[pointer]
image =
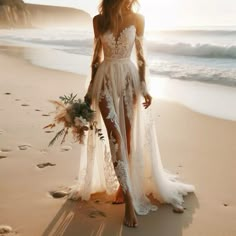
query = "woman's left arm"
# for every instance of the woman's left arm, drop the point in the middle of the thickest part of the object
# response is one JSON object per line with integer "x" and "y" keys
{"x": 141, "y": 62}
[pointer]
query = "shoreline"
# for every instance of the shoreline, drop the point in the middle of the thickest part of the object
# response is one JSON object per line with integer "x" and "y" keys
{"x": 32, "y": 48}
{"x": 200, "y": 148}
{"x": 212, "y": 99}
{"x": 48, "y": 58}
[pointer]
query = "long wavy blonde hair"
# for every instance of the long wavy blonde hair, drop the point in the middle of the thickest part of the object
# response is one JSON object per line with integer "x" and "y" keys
{"x": 110, "y": 10}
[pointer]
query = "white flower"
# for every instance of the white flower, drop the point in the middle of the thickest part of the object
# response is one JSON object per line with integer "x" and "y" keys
{"x": 79, "y": 121}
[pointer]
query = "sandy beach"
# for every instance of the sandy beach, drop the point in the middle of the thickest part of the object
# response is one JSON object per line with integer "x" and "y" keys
{"x": 200, "y": 148}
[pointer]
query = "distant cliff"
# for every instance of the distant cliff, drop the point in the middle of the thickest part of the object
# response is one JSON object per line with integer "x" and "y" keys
{"x": 52, "y": 16}
{"x": 15, "y": 13}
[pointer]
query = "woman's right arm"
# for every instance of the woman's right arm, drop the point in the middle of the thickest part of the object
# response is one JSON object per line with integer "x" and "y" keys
{"x": 97, "y": 49}
{"x": 96, "y": 59}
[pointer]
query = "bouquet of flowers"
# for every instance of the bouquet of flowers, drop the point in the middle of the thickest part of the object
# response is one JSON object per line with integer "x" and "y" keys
{"x": 75, "y": 115}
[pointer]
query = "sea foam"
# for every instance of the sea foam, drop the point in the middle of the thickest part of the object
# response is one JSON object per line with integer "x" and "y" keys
{"x": 194, "y": 50}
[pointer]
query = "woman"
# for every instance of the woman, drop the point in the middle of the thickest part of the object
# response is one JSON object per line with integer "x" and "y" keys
{"x": 115, "y": 92}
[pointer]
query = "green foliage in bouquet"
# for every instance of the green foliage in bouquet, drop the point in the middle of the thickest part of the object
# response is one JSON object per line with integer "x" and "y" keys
{"x": 76, "y": 115}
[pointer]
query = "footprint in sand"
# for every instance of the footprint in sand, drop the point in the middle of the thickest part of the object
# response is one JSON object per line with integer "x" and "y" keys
{"x": 37, "y": 110}
{"x": 49, "y": 131}
{"x": 58, "y": 194}
{"x": 7, "y": 93}
{"x": 6, "y": 150}
{"x": 44, "y": 151}
{"x": 45, "y": 114}
{"x": 43, "y": 165}
{"x": 24, "y": 105}
{"x": 66, "y": 148}
{"x": 24, "y": 147}
{"x": 5, "y": 229}
{"x": 3, "y": 156}
{"x": 97, "y": 213}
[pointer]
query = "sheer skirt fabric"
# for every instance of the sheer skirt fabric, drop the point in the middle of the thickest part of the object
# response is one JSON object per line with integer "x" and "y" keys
{"x": 117, "y": 80}
{"x": 119, "y": 85}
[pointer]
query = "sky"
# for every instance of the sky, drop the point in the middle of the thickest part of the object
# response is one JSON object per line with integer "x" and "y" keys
{"x": 164, "y": 14}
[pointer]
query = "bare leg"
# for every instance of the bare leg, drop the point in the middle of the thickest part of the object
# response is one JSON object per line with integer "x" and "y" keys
{"x": 130, "y": 219}
{"x": 119, "y": 198}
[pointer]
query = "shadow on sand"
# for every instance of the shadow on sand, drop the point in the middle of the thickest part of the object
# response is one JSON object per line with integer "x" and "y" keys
{"x": 98, "y": 217}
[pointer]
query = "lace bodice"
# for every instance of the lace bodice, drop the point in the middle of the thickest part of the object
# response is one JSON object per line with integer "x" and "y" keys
{"x": 119, "y": 48}
{"x": 122, "y": 46}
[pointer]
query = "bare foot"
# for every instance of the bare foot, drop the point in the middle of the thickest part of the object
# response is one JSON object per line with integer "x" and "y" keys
{"x": 130, "y": 219}
{"x": 119, "y": 197}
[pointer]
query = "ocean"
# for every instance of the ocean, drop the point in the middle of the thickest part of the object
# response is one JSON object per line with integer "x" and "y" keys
{"x": 204, "y": 56}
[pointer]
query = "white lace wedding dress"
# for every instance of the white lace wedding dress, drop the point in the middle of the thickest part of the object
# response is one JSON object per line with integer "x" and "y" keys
{"x": 140, "y": 171}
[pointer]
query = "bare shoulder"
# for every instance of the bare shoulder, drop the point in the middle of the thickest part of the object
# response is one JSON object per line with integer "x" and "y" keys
{"x": 139, "y": 18}
{"x": 96, "y": 20}
{"x": 140, "y": 23}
